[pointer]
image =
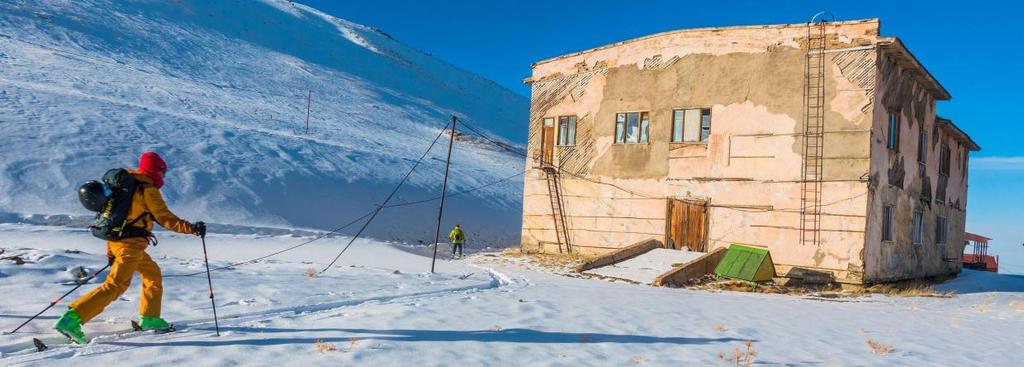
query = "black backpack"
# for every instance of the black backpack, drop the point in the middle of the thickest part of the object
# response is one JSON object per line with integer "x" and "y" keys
{"x": 112, "y": 223}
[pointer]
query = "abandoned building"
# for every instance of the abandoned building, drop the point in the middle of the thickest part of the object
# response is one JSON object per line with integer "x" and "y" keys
{"x": 817, "y": 141}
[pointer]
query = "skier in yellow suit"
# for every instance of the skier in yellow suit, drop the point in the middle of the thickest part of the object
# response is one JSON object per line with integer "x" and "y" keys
{"x": 128, "y": 256}
{"x": 457, "y": 238}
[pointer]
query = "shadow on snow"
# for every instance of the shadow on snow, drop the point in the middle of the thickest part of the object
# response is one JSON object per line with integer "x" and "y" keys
{"x": 409, "y": 335}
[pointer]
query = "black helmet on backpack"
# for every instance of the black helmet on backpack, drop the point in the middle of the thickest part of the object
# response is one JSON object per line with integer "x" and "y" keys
{"x": 92, "y": 195}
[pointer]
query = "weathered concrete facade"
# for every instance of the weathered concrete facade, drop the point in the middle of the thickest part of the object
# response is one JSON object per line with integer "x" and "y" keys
{"x": 748, "y": 171}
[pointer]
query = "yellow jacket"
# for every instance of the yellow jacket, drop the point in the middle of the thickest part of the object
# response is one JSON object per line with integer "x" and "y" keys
{"x": 456, "y": 235}
{"x": 148, "y": 203}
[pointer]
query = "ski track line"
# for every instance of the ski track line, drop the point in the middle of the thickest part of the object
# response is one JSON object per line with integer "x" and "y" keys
{"x": 68, "y": 92}
{"x": 231, "y": 125}
{"x": 199, "y": 119}
{"x": 105, "y": 342}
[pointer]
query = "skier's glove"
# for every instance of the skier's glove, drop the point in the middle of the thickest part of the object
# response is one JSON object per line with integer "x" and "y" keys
{"x": 110, "y": 258}
{"x": 199, "y": 229}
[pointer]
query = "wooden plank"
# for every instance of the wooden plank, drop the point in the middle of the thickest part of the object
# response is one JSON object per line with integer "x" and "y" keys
{"x": 691, "y": 227}
{"x": 688, "y": 227}
{"x": 622, "y": 254}
{"x": 549, "y": 145}
{"x": 680, "y": 274}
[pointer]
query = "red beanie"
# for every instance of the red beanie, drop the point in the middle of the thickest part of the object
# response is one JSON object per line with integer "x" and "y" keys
{"x": 153, "y": 167}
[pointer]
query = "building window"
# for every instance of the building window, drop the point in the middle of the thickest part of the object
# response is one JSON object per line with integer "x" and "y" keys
{"x": 887, "y": 212}
{"x": 894, "y": 131}
{"x": 566, "y": 130}
{"x": 691, "y": 125}
{"x": 922, "y": 149}
{"x": 941, "y": 230}
{"x": 944, "y": 159}
{"x": 917, "y": 233}
{"x": 631, "y": 127}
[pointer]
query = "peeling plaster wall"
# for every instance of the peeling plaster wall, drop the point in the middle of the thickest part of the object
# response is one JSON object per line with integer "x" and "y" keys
{"x": 899, "y": 180}
{"x": 752, "y": 79}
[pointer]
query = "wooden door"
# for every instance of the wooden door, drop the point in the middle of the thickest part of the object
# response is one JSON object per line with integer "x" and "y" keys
{"x": 547, "y": 142}
{"x": 688, "y": 225}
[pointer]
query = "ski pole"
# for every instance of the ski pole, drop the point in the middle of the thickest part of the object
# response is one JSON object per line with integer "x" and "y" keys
{"x": 56, "y": 301}
{"x": 209, "y": 281}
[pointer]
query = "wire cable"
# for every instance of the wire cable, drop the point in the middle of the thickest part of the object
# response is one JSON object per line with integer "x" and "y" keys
{"x": 367, "y": 214}
{"x": 370, "y": 214}
{"x": 317, "y": 238}
{"x": 638, "y": 194}
{"x": 573, "y": 174}
{"x": 386, "y": 200}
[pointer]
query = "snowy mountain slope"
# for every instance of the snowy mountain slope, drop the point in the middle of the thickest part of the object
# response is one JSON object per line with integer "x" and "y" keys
{"x": 220, "y": 89}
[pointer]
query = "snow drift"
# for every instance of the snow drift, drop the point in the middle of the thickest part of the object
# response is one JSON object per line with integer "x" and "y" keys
{"x": 220, "y": 89}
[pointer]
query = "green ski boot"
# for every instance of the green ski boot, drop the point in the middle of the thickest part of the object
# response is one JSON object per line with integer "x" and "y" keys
{"x": 70, "y": 324}
{"x": 157, "y": 324}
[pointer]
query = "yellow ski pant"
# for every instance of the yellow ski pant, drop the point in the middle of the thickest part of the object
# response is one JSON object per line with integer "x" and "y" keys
{"x": 129, "y": 258}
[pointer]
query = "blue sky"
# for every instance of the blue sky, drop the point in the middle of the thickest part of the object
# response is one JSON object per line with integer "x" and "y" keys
{"x": 973, "y": 49}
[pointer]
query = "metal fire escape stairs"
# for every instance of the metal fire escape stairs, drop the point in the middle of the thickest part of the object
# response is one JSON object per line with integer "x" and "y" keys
{"x": 814, "y": 134}
{"x": 557, "y": 205}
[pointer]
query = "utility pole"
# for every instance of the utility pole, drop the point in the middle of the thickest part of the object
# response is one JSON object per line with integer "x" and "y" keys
{"x": 444, "y": 189}
{"x": 309, "y": 103}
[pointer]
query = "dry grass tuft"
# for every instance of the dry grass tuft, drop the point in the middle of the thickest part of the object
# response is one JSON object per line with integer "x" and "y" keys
{"x": 637, "y": 360}
{"x": 324, "y": 347}
{"x": 352, "y": 342}
{"x": 916, "y": 288}
{"x": 546, "y": 259}
{"x": 720, "y": 327}
{"x": 740, "y": 357}
{"x": 311, "y": 272}
{"x": 825, "y": 291}
{"x": 496, "y": 327}
{"x": 710, "y": 283}
{"x": 878, "y": 347}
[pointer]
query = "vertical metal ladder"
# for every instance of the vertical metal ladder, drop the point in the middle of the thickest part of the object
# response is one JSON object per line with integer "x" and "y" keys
{"x": 557, "y": 203}
{"x": 814, "y": 134}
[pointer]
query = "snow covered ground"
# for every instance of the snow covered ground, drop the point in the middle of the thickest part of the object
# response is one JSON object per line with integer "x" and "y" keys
{"x": 379, "y": 306}
{"x": 220, "y": 89}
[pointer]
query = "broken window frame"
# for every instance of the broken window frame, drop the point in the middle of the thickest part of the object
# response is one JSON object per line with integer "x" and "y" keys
{"x": 941, "y": 230}
{"x": 893, "y": 139}
{"x": 888, "y": 211}
{"x": 679, "y": 122}
{"x": 917, "y": 228}
{"x": 642, "y": 124}
{"x": 922, "y": 150}
{"x": 566, "y": 131}
{"x": 944, "y": 160}
{"x": 944, "y": 166}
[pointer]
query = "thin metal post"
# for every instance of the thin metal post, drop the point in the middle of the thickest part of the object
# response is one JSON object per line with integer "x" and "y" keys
{"x": 309, "y": 103}
{"x": 444, "y": 189}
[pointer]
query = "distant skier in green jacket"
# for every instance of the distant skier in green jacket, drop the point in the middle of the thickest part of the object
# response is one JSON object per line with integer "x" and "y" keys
{"x": 457, "y": 238}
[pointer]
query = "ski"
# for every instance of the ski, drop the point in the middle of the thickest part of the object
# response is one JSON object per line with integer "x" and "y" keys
{"x": 137, "y": 327}
{"x": 44, "y": 344}
{"x": 40, "y": 346}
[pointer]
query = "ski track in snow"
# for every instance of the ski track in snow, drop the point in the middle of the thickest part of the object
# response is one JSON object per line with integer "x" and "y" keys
{"x": 24, "y": 352}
